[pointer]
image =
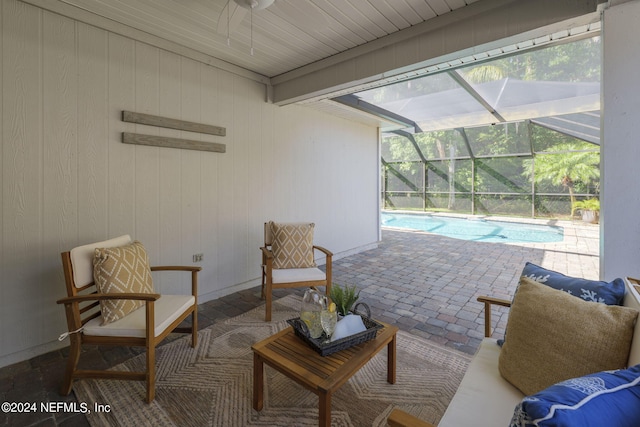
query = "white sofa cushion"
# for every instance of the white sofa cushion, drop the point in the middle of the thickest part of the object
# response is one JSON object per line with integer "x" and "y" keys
{"x": 632, "y": 299}
{"x": 292, "y": 275}
{"x": 166, "y": 310}
{"x": 484, "y": 398}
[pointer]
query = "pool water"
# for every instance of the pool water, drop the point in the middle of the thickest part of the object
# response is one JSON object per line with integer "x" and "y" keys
{"x": 480, "y": 230}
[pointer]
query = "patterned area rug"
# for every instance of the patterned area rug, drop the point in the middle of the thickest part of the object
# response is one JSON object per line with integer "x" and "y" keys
{"x": 211, "y": 385}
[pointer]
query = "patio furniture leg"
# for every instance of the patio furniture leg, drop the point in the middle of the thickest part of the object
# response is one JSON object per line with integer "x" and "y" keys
{"x": 258, "y": 383}
{"x": 269, "y": 290}
{"x": 324, "y": 409}
{"x": 72, "y": 365}
{"x": 391, "y": 361}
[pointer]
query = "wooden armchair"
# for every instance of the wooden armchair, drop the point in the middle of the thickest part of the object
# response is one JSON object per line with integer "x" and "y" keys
{"x": 399, "y": 418}
{"x": 145, "y": 326}
{"x": 291, "y": 277}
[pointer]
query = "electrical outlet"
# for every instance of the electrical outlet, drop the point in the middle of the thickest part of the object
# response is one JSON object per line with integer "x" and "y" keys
{"x": 198, "y": 257}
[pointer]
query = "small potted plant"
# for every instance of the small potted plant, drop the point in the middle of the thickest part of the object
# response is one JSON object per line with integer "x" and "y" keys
{"x": 344, "y": 297}
{"x": 589, "y": 209}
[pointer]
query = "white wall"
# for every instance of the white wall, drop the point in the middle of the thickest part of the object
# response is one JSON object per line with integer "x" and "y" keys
{"x": 620, "y": 212}
{"x": 68, "y": 180}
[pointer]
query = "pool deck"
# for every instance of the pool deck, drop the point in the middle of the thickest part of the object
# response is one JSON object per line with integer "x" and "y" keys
{"x": 579, "y": 239}
{"x": 428, "y": 284}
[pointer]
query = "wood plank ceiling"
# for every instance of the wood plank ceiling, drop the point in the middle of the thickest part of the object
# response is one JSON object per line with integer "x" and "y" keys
{"x": 287, "y": 35}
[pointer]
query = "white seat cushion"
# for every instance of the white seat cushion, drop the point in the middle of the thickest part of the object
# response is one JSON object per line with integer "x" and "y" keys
{"x": 484, "y": 398}
{"x": 167, "y": 309}
{"x": 292, "y": 275}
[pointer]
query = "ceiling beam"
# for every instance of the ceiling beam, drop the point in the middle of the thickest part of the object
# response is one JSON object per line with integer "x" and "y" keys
{"x": 357, "y": 103}
{"x": 413, "y": 141}
{"x": 479, "y": 27}
{"x": 455, "y": 75}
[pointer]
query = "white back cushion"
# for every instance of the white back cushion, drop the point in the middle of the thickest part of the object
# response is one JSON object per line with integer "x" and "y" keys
{"x": 82, "y": 258}
{"x": 632, "y": 299}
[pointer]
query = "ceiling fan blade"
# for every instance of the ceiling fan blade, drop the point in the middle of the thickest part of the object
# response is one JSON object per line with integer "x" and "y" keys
{"x": 231, "y": 14}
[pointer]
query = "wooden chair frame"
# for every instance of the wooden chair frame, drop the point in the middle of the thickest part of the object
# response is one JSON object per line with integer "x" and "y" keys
{"x": 267, "y": 278}
{"x": 82, "y": 305}
{"x": 488, "y": 302}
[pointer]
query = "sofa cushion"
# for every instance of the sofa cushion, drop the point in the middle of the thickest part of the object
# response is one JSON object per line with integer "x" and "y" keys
{"x": 122, "y": 269}
{"x": 632, "y": 300}
{"x": 611, "y": 293}
{"x": 483, "y": 398}
{"x": 602, "y": 399}
{"x": 292, "y": 245}
{"x": 553, "y": 336}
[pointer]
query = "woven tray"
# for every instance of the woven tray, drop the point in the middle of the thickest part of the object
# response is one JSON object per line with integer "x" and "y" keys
{"x": 325, "y": 348}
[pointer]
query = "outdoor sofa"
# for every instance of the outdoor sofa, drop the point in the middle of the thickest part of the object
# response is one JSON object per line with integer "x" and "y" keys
{"x": 486, "y": 398}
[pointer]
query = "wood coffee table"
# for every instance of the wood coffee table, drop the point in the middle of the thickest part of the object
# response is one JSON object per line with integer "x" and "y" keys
{"x": 323, "y": 375}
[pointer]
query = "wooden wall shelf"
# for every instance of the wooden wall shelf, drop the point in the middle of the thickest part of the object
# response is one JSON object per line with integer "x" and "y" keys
{"x": 163, "y": 141}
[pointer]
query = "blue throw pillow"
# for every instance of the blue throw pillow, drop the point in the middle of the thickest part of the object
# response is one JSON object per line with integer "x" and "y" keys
{"x": 609, "y": 398}
{"x": 610, "y": 293}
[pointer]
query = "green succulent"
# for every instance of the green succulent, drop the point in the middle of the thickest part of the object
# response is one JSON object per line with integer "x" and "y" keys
{"x": 344, "y": 297}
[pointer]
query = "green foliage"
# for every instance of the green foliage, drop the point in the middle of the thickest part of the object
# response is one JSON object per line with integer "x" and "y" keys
{"x": 577, "y": 61}
{"x": 588, "y": 205}
{"x": 344, "y": 297}
{"x": 566, "y": 168}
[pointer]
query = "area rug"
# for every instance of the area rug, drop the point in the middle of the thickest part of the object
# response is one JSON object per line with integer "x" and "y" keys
{"x": 211, "y": 385}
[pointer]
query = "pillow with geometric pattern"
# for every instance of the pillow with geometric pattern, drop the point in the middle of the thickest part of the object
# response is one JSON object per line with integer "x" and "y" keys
{"x": 292, "y": 245}
{"x": 123, "y": 269}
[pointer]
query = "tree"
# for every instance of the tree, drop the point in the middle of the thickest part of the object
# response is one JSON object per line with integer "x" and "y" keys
{"x": 566, "y": 168}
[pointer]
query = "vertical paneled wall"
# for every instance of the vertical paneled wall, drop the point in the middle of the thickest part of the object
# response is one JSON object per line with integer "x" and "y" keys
{"x": 620, "y": 152}
{"x": 68, "y": 180}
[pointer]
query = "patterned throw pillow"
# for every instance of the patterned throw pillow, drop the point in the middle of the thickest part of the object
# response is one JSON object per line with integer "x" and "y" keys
{"x": 610, "y": 293}
{"x": 553, "y": 336}
{"x": 123, "y": 269}
{"x": 609, "y": 398}
{"x": 292, "y": 245}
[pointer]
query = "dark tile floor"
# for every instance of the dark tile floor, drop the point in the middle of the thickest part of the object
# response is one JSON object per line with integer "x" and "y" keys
{"x": 423, "y": 283}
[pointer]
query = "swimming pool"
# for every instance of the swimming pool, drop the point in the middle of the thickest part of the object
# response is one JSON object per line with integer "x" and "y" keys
{"x": 475, "y": 229}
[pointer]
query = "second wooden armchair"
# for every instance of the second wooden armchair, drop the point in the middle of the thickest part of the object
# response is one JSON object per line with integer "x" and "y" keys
{"x": 288, "y": 260}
